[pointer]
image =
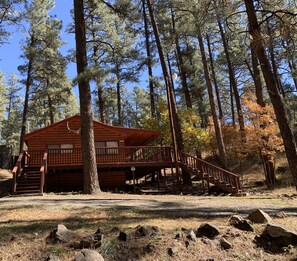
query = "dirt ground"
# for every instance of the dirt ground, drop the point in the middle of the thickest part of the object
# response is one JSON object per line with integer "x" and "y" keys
{"x": 25, "y": 223}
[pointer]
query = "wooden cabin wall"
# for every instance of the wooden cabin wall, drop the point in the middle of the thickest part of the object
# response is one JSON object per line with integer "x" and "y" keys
{"x": 61, "y": 135}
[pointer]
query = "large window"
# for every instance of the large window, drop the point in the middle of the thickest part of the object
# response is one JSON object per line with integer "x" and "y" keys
{"x": 60, "y": 148}
{"x": 102, "y": 147}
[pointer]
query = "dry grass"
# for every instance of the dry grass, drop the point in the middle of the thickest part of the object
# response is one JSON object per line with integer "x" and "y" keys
{"x": 25, "y": 224}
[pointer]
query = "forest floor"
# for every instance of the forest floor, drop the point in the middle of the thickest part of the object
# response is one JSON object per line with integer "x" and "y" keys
{"x": 26, "y": 222}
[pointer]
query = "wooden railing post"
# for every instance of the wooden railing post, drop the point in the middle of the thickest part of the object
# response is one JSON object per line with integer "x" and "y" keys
{"x": 43, "y": 171}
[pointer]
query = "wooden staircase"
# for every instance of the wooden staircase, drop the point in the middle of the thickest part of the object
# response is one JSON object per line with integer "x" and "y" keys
{"x": 28, "y": 179}
{"x": 209, "y": 173}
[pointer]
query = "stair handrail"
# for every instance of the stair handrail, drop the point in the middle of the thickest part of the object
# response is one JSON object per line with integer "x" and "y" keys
{"x": 43, "y": 171}
{"x": 204, "y": 166}
{"x": 17, "y": 169}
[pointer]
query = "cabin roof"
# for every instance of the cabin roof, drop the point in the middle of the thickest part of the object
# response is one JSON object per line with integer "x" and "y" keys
{"x": 132, "y": 136}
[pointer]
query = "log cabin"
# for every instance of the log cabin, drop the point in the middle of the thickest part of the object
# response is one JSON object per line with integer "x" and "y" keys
{"x": 53, "y": 159}
{"x": 55, "y": 152}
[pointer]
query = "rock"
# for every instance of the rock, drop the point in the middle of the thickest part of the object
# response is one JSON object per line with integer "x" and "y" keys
{"x": 208, "y": 231}
{"x": 52, "y": 258}
{"x": 123, "y": 236}
{"x": 259, "y": 216}
{"x": 172, "y": 251}
{"x": 244, "y": 225}
{"x": 115, "y": 230}
{"x": 281, "y": 214}
{"x": 178, "y": 235}
{"x": 88, "y": 255}
{"x": 13, "y": 237}
{"x": 225, "y": 244}
{"x": 61, "y": 234}
{"x": 191, "y": 235}
{"x": 92, "y": 241}
{"x": 274, "y": 238}
{"x": 235, "y": 218}
{"x": 187, "y": 243}
{"x": 259, "y": 183}
{"x": 143, "y": 231}
{"x": 150, "y": 248}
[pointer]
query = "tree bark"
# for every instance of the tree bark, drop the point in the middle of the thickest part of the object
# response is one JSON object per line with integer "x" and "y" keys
{"x": 233, "y": 82}
{"x": 27, "y": 94}
{"x": 176, "y": 133}
{"x": 274, "y": 94}
{"x": 214, "y": 79}
{"x": 216, "y": 122}
{"x": 149, "y": 58}
{"x": 180, "y": 61}
{"x": 91, "y": 183}
{"x": 257, "y": 78}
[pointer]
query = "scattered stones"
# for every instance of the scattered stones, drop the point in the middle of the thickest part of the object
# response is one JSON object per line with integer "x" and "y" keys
{"x": 123, "y": 236}
{"x": 115, "y": 230}
{"x": 150, "y": 248}
{"x": 191, "y": 235}
{"x": 88, "y": 255}
{"x": 225, "y": 244}
{"x": 143, "y": 231}
{"x": 52, "y": 258}
{"x": 281, "y": 214}
{"x": 178, "y": 235}
{"x": 235, "y": 218}
{"x": 208, "y": 231}
{"x": 61, "y": 234}
{"x": 244, "y": 225}
{"x": 274, "y": 238}
{"x": 13, "y": 237}
{"x": 92, "y": 241}
{"x": 259, "y": 216}
{"x": 172, "y": 251}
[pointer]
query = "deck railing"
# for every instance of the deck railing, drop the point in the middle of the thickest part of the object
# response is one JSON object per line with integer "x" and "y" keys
{"x": 73, "y": 156}
{"x": 207, "y": 170}
{"x": 21, "y": 161}
{"x": 43, "y": 171}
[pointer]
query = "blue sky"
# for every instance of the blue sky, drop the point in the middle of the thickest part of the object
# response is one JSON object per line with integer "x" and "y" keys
{"x": 11, "y": 51}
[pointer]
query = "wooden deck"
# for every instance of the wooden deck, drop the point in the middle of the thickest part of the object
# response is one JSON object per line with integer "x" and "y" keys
{"x": 115, "y": 160}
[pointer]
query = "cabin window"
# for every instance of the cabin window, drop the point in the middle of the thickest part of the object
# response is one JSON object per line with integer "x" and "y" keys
{"x": 102, "y": 147}
{"x": 60, "y": 148}
{"x": 66, "y": 148}
{"x": 54, "y": 148}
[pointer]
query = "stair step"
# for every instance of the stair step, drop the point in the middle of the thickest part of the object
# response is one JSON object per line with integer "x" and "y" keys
{"x": 27, "y": 187}
{"x": 28, "y": 191}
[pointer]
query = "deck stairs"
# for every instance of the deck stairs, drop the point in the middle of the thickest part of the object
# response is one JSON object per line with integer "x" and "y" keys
{"x": 28, "y": 182}
{"x": 210, "y": 174}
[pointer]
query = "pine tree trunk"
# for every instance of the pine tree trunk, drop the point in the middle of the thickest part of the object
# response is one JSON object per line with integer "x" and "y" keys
{"x": 233, "y": 82}
{"x": 273, "y": 63}
{"x": 276, "y": 99}
{"x": 216, "y": 122}
{"x": 91, "y": 183}
{"x": 176, "y": 133}
{"x": 149, "y": 65}
{"x": 26, "y": 101}
{"x": 100, "y": 101}
{"x": 181, "y": 66}
{"x": 119, "y": 98}
{"x": 257, "y": 78}
{"x": 213, "y": 72}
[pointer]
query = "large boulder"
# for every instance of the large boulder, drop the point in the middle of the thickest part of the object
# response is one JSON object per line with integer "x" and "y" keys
{"x": 275, "y": 238}
{"x": 61, "y": 234}
{"x": 259, "y": 216}
{"x": 88, "y": 255}
{"x": 207, "y": 230}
